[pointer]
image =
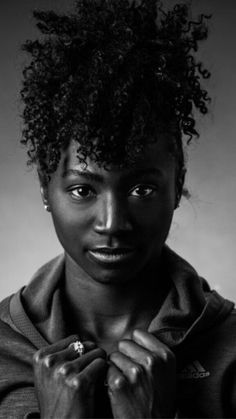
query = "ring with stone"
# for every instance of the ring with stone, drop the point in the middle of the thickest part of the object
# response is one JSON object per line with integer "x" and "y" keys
{"x": 78, "y": 347}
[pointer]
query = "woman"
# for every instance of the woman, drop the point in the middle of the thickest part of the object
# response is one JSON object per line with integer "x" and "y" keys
{"x": 119, "y": 326}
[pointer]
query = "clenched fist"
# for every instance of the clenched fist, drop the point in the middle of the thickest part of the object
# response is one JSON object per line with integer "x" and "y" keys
{"x": 65, "y": 382}
{"x": 142, "y": 378}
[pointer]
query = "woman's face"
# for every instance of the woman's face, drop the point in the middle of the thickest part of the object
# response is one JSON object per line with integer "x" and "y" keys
{"x": 113, "y": 223}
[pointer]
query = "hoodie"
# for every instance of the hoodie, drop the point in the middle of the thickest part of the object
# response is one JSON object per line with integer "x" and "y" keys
{"x": 195, "y": 322}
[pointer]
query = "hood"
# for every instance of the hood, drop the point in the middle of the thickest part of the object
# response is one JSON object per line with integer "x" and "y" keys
{"x": 37, "y": 310}
{"x": 190, "y": 307}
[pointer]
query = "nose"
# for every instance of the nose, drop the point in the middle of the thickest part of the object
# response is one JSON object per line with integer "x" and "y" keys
{"x": 112, "y": 216}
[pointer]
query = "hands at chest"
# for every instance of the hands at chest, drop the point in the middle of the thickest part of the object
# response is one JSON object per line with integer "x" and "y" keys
{"x": 140, "y": 376}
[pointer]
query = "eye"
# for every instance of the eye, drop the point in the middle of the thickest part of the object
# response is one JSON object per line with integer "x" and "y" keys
{"x": 82, "y": 192}
{"x": 142, "y": 191}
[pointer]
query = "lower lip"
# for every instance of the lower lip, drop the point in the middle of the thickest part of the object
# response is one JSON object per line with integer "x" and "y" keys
{"x": 111, "y": 258}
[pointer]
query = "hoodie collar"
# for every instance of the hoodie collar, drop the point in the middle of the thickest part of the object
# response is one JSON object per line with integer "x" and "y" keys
{"x": 37, "y": 310}
{"x": 190, "y": 305}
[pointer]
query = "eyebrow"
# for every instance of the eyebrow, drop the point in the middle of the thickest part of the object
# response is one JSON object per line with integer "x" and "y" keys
{"x": 99, "y": 178}
{"x": 88, "y": 175}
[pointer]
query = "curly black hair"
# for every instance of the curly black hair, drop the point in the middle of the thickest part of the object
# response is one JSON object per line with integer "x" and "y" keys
{"x": 111, "y": 75}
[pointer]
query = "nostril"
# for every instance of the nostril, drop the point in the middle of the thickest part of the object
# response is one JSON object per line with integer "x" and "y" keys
{"x": 112, "y": 228}
{"x": 112, "y": 224}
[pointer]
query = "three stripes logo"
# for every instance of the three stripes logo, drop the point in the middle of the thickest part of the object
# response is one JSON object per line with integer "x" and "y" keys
{"x": 193, "y": 370}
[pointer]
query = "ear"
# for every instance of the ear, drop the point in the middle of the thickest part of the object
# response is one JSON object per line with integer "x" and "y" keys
{"x": 179, "y": 186}
{"x": 43, "y": 191}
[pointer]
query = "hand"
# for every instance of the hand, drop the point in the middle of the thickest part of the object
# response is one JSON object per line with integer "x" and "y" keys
{"x": 65, "y": 382}
{"x": 142, "y": 378}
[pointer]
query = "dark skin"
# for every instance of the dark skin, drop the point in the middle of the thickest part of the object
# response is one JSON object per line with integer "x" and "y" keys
{"x": 112, "y": 298}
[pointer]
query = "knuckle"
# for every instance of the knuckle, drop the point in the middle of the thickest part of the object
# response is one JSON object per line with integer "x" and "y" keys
{"x": 117, "y": 384}
{"x": 135, "y": 372}
{"x": 151, "y": 361}
{"x": 37, "y": 357}
{"x": 40, "y": 357}
{"x": 164, "y": 355}
{"x": 62, "y": 369}
{"x": 77, "y": 383}
{"x": 167, "y": 356}
{"x": 48, "y": 361}
{"x": 73, "y": 382}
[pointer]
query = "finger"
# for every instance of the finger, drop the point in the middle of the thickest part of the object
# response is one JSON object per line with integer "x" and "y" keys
{"x": 134, "y": 372}
{"x": 89, "y": 376}
{"x": 60, "y": 349}
{"x": 67, "y": 354}
{"x": 147, "y": 340}
{"x": 161, "y": 352}
{"x": 123, "y": 399}
{"x": 80, "y": 363}
{"x": 146, "y": 358}
{"x": 116, "y": 381}
{"x": 134, "y": 351}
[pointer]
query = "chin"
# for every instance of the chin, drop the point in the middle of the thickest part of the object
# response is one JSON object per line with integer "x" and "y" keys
{"x": 113, "y": 277}
{"x": 118, "y": 273}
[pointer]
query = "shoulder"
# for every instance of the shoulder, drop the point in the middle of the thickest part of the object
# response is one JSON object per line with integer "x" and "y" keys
{"x": 15, "y": 349}
{"x": 19, "y": 339}
{"x": 17, "y": 394}
{"x": 207, "y": 377}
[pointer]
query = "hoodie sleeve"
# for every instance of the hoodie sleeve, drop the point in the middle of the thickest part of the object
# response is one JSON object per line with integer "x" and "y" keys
{"x": 17, "y": 394}
{"x": 19, "y": 404}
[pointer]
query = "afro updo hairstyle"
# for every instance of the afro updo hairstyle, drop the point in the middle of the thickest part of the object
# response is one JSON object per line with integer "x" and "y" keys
{"x": 111, "y": 76}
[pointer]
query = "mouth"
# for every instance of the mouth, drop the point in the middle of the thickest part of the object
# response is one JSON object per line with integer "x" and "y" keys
{"x": 109, "y": 255}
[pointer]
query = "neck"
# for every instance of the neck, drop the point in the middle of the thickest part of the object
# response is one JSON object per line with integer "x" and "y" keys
{"x": 108, "y": 312}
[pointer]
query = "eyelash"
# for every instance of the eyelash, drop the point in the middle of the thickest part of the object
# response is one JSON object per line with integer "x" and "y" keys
{"x": 88, "y": 188}
{"x": 151, "y": 188}
{"x": 92, "y": 192}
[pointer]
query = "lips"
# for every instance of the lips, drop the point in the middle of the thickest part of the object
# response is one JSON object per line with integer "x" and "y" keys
{"x": 111, "y": 255}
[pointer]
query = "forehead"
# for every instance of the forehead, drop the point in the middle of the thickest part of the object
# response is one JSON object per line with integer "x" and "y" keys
{"x": 155, "y": 155}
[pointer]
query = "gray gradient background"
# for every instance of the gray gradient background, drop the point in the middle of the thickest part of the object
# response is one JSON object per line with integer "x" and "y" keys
{"x": 204, "y": 227}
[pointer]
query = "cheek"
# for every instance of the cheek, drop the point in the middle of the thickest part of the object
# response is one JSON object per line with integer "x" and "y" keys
{"x": 157, "y": 227}
{"x": 155, "y": 218}
{"x": 71, "y": 224}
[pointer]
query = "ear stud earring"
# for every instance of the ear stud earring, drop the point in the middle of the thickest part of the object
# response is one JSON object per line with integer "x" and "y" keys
{"x": 46, "y": 207}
